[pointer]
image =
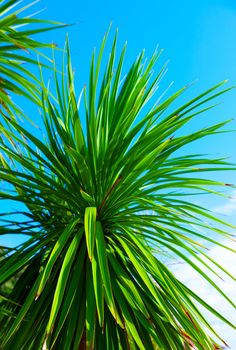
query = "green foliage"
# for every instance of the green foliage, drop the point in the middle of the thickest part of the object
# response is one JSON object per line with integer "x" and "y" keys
{"x": 6, "y": 288}
{"x": 103, "y": 210}
{"x": 15, "y": 43}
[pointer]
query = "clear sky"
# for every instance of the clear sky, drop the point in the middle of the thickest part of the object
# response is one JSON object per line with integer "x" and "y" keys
{"x": 198, "y": 37}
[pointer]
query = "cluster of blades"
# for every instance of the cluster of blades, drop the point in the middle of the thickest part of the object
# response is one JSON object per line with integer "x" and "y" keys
{"x": 105, "y": 198}
{"x": 15, "y": 45}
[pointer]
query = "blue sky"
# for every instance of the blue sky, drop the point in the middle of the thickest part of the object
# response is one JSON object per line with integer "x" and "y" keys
{"x": 198, "y": 38}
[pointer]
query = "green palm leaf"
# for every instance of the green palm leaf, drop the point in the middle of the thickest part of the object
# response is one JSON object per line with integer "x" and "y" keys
{"x": 15, "y": 44}
{"x": 102, "y": 213}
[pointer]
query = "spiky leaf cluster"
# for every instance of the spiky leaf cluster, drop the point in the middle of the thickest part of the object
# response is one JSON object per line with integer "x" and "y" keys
{"x": 108, "y": 196}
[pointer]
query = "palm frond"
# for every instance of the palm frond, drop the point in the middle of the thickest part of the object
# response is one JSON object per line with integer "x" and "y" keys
{"x": 16, "y": 43}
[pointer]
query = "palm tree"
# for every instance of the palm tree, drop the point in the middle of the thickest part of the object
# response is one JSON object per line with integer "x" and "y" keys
{"x": 107, "y": 198}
